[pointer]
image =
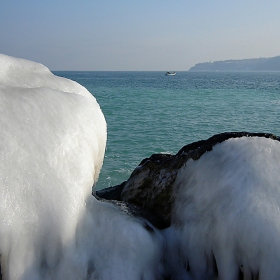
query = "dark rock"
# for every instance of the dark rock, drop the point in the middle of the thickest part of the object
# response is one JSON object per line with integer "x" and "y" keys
{"x": 134, "y": 211}
{"x": 149, "y": 190}
{"x": 111, "y": 193}
{"x": 197, "y": 149}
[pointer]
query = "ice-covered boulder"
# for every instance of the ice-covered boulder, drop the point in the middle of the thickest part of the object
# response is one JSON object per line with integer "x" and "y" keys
{"x": 52, "y": 143}
{"x": 53, "y": 137}
{"x": 150, "y": 186}
{"x": 224, "y": 201}
{"x": 226, "y": 218}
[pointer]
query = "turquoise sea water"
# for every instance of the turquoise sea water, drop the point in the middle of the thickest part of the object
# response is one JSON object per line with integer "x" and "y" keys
{"x": 148, "y": 112}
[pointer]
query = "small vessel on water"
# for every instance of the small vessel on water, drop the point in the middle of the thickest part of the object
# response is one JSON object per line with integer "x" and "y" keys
{"x": 168, "y": 73}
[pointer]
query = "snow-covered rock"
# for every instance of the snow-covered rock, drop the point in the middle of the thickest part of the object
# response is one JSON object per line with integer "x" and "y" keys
{"x": 224, "y": 199}
{"x": 52, "y": 144}
{"x": 226, "y": 213}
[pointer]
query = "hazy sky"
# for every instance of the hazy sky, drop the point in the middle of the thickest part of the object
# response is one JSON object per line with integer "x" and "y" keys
{"x": 138, "y": 35}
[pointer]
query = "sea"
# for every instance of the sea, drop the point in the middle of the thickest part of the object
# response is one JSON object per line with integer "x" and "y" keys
{"x": 148, "y": 112}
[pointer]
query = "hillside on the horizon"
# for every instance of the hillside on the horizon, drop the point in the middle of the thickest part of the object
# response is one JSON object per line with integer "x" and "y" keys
{"x": 254, "y": 64}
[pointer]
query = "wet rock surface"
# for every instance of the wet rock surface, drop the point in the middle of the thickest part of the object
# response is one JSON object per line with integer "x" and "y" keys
{"x": 148, "y": 192}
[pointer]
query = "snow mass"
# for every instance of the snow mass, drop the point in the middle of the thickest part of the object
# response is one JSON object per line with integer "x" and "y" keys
{"x": 53, "y": 137}
{"x": 225, "y": 221}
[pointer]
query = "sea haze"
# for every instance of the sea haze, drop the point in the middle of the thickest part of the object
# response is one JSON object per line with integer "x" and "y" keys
{"x": 148, "y": 112}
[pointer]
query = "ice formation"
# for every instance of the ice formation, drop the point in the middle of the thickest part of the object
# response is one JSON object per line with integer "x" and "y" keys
{"x": 225, "y": 220}
{"x": 53, "y": 137}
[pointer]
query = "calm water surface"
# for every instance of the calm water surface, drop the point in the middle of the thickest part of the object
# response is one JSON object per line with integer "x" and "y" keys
{"x": 148, "y": 112}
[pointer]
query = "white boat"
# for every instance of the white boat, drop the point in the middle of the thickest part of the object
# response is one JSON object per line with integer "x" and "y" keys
{"x": 173, "y": 73}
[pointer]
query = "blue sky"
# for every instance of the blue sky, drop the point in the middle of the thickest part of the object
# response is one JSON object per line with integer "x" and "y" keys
{"x": 138, "y": 35}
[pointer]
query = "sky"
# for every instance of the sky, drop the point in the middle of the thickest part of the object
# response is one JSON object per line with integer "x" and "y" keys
{"x": 130, "y": 35}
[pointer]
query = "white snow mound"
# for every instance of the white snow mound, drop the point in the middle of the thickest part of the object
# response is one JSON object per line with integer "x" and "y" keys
{"x": 52, "y": 144}
{"x": 226, "y": 219}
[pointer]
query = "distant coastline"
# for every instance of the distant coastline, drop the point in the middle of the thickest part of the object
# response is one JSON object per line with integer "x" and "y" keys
{"x": 242, "y": 65}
